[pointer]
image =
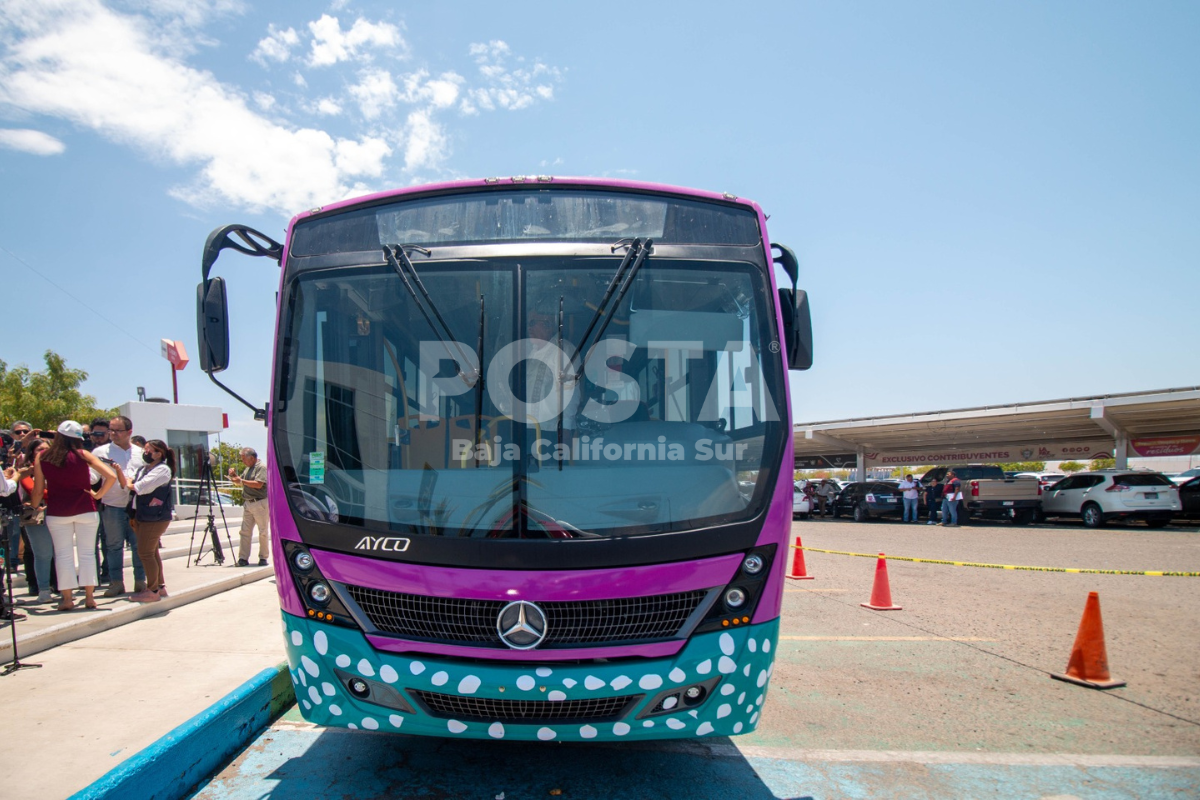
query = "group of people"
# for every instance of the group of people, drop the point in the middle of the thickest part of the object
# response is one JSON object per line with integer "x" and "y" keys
{"x": 69, "y": 493}
{"x": 820, "y": 495}
{"x": 946, "y": 493}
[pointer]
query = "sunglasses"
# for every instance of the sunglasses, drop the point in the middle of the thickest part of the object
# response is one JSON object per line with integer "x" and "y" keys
{"x": 100, "y": 435}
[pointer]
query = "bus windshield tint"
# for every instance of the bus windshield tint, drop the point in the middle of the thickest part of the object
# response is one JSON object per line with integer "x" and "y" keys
{"x": 661, "y": 427}
{"x": 523, "y": 216}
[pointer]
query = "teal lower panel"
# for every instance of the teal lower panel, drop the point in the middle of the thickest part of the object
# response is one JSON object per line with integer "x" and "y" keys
{"x": 741, "y": 658}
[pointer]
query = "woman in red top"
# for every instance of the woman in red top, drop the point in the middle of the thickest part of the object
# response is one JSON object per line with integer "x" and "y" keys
{"x": 71, "y": 509}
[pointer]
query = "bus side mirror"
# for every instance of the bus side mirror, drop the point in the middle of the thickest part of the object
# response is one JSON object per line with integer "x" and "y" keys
{"x": 212, "y": 325}
{"x": 793, "y": 306}
{"x": 797, "y": 327}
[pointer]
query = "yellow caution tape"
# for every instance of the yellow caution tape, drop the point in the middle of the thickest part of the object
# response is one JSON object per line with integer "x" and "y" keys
{"x": 1153, "y": 573}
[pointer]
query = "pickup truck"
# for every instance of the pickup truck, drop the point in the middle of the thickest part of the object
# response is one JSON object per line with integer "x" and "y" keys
{"x": 989, "y": 495}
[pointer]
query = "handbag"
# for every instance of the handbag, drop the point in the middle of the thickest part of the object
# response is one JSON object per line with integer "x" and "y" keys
{"x": 33, "y": 516}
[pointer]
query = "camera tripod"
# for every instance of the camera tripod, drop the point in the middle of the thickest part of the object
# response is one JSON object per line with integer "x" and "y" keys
{"x": 206, "y": 489}
{"x": 5, "y": 520}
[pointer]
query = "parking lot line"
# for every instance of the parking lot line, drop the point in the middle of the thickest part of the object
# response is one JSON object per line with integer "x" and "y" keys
{"x": 883, "y": 639}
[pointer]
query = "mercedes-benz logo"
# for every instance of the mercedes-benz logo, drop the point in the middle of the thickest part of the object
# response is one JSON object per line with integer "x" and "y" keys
{"x": 521, "y": 625}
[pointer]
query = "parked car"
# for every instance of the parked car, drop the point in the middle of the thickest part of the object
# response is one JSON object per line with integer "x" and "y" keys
{"x": 1045, "y": 479}
{"x": 801, "y": 505}
{"x": 1109, "y": 494}
{"x": 1185, "y": 476}
{"x": 1189, "y": 499}
{"x": 868, "y": 499}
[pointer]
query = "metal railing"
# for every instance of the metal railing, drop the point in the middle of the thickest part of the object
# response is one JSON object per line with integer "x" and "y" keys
{"x": 187, "y": 490}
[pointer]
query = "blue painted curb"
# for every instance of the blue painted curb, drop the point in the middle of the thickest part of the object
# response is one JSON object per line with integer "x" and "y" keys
{"x": 171, "y": 767}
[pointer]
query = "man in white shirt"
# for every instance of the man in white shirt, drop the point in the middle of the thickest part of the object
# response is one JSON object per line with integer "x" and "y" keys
{"x": 912, "y": 495}
{"x": 123, "y": 455}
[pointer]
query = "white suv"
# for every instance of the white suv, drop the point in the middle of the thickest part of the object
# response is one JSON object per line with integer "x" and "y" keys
{"x": 1113, "y": 494}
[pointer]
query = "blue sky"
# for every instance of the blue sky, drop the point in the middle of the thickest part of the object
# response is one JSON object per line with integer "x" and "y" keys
{"x": 991, "y": 203}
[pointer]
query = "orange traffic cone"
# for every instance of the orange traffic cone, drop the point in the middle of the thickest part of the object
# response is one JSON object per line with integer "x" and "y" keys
{"x": 799, "y": 573}
{"x": 881, "y": 593}
{"x": 1088, "y": 665}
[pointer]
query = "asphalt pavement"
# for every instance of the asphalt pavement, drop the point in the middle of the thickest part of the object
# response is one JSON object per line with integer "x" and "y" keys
{"x": 949, "y": 697}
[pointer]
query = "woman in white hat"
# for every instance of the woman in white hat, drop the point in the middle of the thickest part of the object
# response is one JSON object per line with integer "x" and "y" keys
{"x": 71, "y": 509}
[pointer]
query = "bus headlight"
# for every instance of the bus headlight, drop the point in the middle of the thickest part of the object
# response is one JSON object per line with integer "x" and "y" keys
{"x": 735, "y": 597}
{"x": 753, "y": 564}
{"x": 303, "y": 561}
{"x": 319, "y": 593}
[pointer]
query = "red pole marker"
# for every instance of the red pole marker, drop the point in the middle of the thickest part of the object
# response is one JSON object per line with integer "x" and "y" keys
{"x": 881, "y": 592}
{"x": 798, "y": 573}
{"x": 1088, "y": 665}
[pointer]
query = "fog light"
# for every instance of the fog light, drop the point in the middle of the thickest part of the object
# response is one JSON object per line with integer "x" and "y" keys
{"x": 753, "y": 564}
{"x": 358, "y": 687}
{"x": 735, "y": 598}
{"x": 303, "y": 561}
{"x": 320, "y": 593}
{"x": 694, "y": 695}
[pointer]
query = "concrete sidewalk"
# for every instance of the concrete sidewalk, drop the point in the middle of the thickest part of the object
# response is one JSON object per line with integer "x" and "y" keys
{"x": 97, "y": 701}
{"x": 187, "y": 582}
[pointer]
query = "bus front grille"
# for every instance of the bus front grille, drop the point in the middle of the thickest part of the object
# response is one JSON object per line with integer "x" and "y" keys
{"x": 568, "y": 624}
{"x": 527, "y": 712}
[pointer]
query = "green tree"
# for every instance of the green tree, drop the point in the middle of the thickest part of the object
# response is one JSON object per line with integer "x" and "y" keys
{"x": 48, "y": 397}
{"x": 1070, "y": 466}
{"x": 1102, "y": 462}
{"x": 229, "y": 454}
{"x": 1023, "y": 466}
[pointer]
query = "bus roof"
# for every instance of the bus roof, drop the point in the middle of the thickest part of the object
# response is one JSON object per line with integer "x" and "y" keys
{"x": 526, "y": 181}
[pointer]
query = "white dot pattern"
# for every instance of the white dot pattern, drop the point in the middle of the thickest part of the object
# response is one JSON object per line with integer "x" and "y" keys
{"x": 726, "y": 653}
{"x": 649, "y": 682}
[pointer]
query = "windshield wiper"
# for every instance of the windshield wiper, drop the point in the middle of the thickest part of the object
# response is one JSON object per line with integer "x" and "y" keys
{"x": 628, "y": 268}
{"x": 400, "y": 262}
{"x": 479, "y": 385}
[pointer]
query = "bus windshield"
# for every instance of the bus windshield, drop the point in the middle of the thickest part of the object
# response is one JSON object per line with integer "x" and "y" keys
{"x": 667, "y": 424}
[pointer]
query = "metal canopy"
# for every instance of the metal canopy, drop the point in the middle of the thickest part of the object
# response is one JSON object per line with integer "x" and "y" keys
{"x": 1051, "y": 429}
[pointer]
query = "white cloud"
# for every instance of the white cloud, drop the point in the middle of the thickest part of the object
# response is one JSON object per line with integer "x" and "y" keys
{"x": 374, "y": 92}
{"x": 277, "y": 46}
{"x": 28, "y": 141}
{"x": 328, "y": 107}
{"x": 440, "y": 92}
{"x": 331, "y": 45}
{"x": 425, "y": 142}
{"x": 82, "y": 62}
{"x": 507, "y": 88}
{"x": 120, "y": 75}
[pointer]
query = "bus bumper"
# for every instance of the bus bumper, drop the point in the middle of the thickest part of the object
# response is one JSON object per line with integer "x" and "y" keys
{"x": 734, "y": 668}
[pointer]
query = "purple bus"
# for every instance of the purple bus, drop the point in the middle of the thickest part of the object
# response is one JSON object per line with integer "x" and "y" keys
{"x": 530, "y": 456}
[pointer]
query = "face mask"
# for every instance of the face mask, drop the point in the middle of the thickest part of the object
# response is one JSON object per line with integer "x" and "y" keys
{"x": 149, "y": 459}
